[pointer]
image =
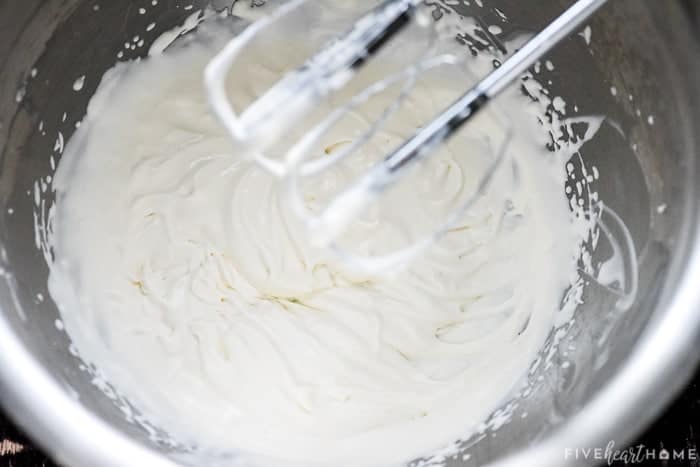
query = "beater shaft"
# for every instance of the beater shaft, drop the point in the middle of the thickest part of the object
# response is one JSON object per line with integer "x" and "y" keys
{"x": 299, "y": 90}
{"x": 348, "y": 204}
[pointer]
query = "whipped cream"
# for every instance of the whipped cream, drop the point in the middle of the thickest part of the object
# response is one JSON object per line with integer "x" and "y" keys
{"x": 182, "y": 274}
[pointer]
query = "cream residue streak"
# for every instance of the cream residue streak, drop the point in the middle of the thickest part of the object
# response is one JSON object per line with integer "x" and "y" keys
{"x": 181, "y": 273}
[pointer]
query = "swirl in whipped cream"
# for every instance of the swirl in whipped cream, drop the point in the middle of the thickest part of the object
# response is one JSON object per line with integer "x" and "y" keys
{"x": 182, "y": 274}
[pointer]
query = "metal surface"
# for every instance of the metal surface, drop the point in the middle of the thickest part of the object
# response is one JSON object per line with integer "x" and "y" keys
{"x": 625, "y": 367}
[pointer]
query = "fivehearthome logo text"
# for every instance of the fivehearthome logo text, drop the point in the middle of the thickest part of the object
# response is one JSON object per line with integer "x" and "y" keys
{"x": 632, "y": 455}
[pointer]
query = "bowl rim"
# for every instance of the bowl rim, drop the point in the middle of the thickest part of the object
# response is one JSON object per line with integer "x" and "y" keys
{"x": 666, "y": 356}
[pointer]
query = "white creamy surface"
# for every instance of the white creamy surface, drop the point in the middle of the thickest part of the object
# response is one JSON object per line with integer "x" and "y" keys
{"x": 185, "y": 278}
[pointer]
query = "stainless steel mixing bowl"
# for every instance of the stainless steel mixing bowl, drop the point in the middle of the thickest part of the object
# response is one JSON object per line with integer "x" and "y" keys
{"x": 624, "y": 366}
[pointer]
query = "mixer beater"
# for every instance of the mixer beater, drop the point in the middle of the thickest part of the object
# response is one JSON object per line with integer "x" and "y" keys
{"x": 331, "y": 69}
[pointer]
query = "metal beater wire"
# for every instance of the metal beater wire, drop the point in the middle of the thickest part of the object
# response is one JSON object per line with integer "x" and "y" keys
{"x": 331, "y": 69}
{"x": 347, "y": 204}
